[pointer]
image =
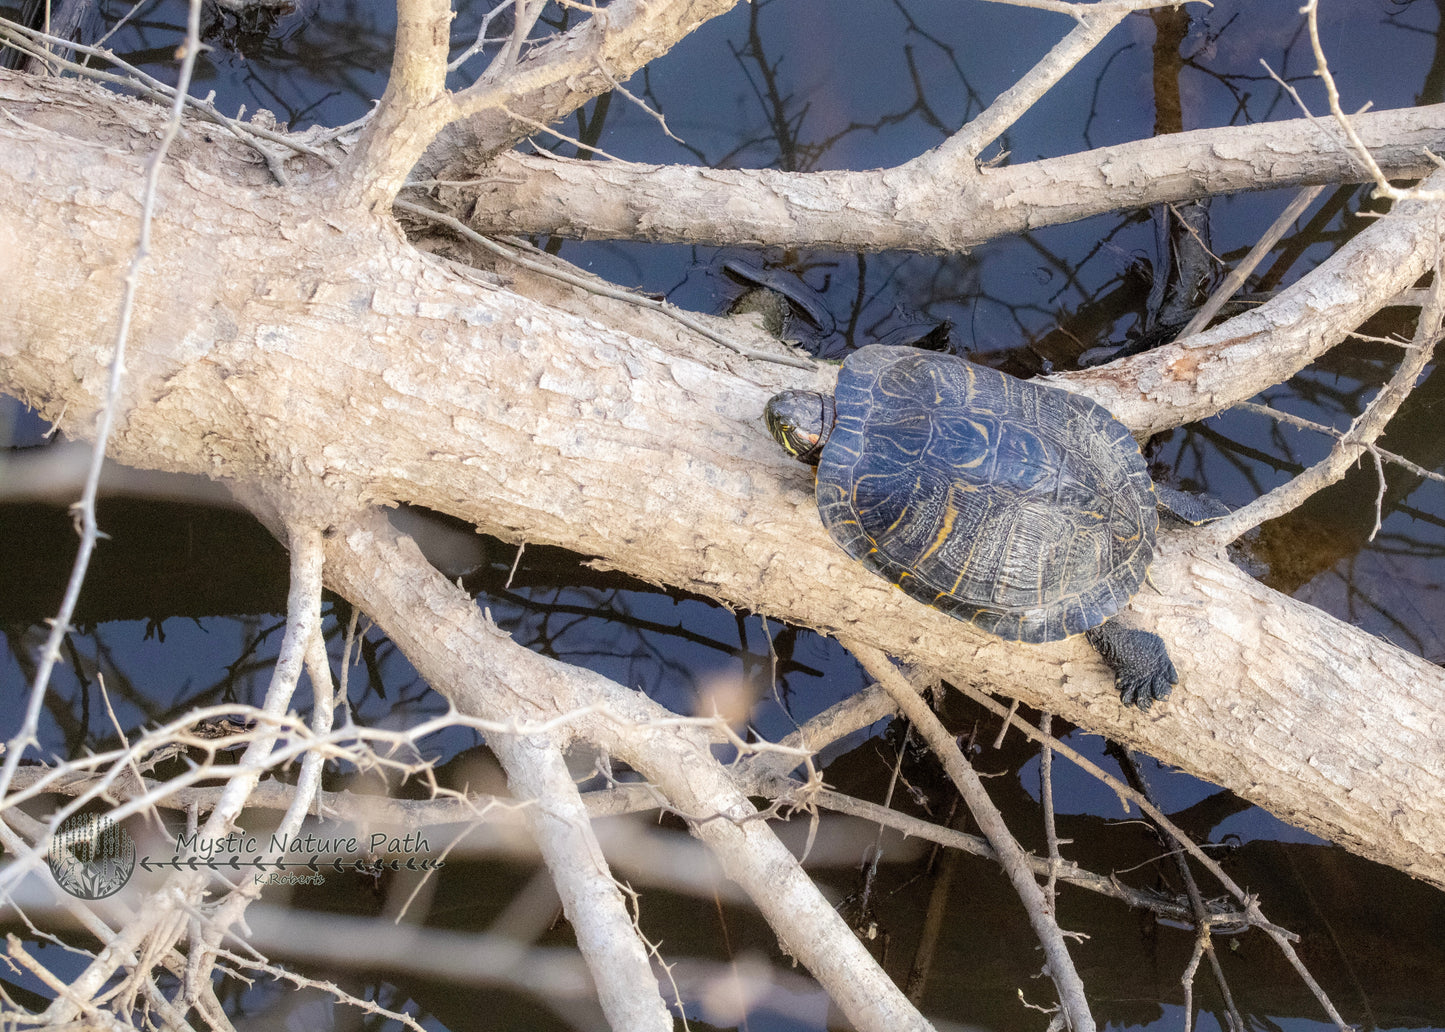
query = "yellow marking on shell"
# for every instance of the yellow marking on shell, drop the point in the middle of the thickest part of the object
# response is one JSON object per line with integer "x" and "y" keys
{"x": 984, "y": 454}
{"x": 950, "y": 513}
{"x": 901, "y": 516}
{"x": 962, "y": 571}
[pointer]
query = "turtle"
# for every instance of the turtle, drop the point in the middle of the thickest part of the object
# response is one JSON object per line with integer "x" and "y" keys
{"x": 1017, "y": 507}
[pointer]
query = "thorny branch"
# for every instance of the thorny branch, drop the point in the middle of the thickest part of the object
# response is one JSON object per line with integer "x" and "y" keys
{"x": 85, "y": 508}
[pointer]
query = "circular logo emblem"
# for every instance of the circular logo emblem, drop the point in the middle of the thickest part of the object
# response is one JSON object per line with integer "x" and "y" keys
{"x": 91, "y": 856}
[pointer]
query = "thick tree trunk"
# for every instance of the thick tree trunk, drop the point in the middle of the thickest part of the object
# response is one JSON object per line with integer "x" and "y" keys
{"x": 283, "y": 344}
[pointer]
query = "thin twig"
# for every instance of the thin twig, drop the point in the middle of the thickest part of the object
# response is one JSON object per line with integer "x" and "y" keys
{"x": 1010, "y": 855}
{"x": 1383, "y": 188}
{"x": 617, "y": 87}
{"x": 1046, "y": 800}
{"x": 89, "y": 529}
{"x": 959, "y": 151}
{"x": 543, "y": 127}
{"x": 1339, "y": 435}
{"x": 482, "y": 38}
{"x": 1246, "y": 266}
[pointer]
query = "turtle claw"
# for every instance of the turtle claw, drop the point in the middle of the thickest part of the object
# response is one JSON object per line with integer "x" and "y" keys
{"x": 1143, "y": 672}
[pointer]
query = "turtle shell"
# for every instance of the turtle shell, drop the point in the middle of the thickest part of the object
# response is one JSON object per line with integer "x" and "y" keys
{"x": 1022, "y": 509}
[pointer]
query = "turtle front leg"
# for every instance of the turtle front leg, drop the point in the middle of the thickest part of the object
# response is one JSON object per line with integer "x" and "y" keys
{"x": 1143, "y": 671}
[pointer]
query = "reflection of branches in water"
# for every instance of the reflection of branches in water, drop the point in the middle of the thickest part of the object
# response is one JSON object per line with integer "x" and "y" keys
{"x": 1094, "y": 102}
{"x": 1238, "y": 84}
{"x": 1293, "y": 247}
{"x": 274, "y": 60}
{"x": 1247, "y": 460}
{"x": 1432, "y": 89}
{"x": 784, "y": 125}
{"x": 80, "y": 720}
{"x": 974, "y": 103}
{"x": 784, "y": 115}
{"x": 657, "y": 103}
{"x": 1188, "y": 453}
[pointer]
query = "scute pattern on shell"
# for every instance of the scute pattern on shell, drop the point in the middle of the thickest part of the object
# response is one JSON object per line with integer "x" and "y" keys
{"x": 1021, "y": 508}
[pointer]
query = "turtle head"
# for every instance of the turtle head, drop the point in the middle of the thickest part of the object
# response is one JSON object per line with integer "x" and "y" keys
{"x": 801, "y": 421}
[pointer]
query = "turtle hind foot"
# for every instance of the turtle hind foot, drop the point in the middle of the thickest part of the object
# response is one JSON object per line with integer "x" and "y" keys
{"x": 1143, "y": 672}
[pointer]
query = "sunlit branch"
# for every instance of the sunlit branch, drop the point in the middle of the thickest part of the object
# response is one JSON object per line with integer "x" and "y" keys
{"x": 558, "y": 820}
{"x": 1322, "y": 68}
{"x": 480, "y": 669}
{"x": 1357, "y": 441}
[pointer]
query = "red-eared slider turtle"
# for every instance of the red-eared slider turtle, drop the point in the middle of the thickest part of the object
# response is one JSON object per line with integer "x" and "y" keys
{"x": 1022, "y": 509}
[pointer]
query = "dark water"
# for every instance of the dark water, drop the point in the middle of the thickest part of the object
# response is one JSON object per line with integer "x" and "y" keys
{"x": 181, "y": 607}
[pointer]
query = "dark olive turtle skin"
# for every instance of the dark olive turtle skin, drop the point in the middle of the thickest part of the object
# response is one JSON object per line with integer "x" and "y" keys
{"x": 1022, "y": 509}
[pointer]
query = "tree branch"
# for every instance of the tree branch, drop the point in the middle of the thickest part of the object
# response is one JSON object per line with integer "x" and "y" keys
{"x": 1011, "y": 857}
{"x": 1202, "y": 375}
{"x": 555, "y": 78}
{"x": 466, "y": 659}
{"x": 563, "y": 831}
{"x": 1361, "y": 437}
{"x": 896, "y": 209}
{"x": 639, "y": 444}
{"x": 414, "y": 108}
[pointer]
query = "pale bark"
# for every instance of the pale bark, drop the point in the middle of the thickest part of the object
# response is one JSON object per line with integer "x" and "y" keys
{"x": 890, "y": 209}
{"x": 560, "y": 76}
{"x": 621, "y": 972}
{"x": 620, "y": 436}
{"x": 484, "y": 673}
{"x": 1195, "y": 377}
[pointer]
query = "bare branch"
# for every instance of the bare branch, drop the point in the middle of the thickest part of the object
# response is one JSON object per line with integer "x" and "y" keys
{"x": 592, "y": 285}
{"x": 614, "y": 952}
{"x": 1282, "y": 937}
{"x": 1322, "y": 68}
{"x": 1357, "y": 441}
{"x": 413, "y": 109}
{"x": 1011, "y": 856}
{"x": 555, "y": 78}
{"x": 1290, "y": 419}
{"x": 1199, "y": 376}
{"x": 899, "y": 209}
{"x": 492, "y": 673}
